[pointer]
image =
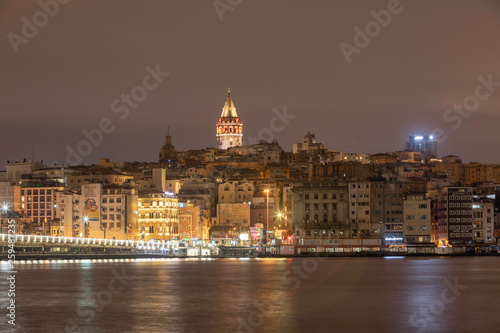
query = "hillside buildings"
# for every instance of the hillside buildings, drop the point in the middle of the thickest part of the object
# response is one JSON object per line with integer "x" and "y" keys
{"x": 311, "y": 196}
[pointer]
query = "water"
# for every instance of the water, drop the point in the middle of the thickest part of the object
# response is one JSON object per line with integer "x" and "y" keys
{"x": 257, "y": 295}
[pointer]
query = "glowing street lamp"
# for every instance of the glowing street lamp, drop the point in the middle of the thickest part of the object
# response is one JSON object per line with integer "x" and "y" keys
{"x": 267, "y": 210}
{"x": 5, "y": 209}
{"x": 86, "y": 223}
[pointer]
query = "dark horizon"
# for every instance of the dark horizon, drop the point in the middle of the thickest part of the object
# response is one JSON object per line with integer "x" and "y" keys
{"x": 66, "y": 77}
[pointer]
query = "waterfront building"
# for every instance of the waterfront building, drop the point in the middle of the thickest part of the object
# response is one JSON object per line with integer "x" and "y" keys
{"x": 320, "y": 212}
{"x": 455, "y": 216}
{"x": 417, "y": 219}
{"x": 37, "y": 198}
{"x": 119, "y": 212}
{"x": 190, "y": 228}
{"x": 483, "y": 220}
{"x": 359, "y": 209}
{"x": 386, "y": 210}
{"x": 157, "y": 217}
{"x": 68, "y": 213}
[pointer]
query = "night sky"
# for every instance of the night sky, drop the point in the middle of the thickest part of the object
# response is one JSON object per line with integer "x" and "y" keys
{"x": 275, "y": 54}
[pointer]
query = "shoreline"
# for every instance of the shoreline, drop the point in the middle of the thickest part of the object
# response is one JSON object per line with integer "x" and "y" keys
{"x": 60, "y": 256}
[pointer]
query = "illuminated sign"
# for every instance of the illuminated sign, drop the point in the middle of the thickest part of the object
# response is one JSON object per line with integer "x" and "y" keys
{"x": 92, "y": 202}
{"x": 393, "y": 239}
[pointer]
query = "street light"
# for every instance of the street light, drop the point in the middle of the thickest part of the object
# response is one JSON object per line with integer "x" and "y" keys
{"x": 86, "y": 224}
{"x": 267, "y": 212}
{"x": 5, "y": 209}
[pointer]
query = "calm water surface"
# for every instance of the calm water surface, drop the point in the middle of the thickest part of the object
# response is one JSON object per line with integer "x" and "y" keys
{"x": 258, "y": 295}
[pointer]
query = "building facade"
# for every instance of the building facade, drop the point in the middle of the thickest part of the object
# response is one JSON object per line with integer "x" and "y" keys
{"x": 417, "y": 220}
{"x": 422, "y": 143}
{"x": 190, "y": 228}
{"x": 455, "y": 216}
{"x": 483, "y": 220}
{"x": 157, "y": 217}
{"x": 320, "y": 212}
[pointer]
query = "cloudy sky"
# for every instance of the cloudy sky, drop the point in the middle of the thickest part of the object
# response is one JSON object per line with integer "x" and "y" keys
{"x": 63, "y": 78}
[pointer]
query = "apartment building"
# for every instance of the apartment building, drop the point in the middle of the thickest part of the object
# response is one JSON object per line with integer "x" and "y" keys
{"x": 417, "y": 219}
{"x": 321, "y": 212}
{"x": 455, "y": 216}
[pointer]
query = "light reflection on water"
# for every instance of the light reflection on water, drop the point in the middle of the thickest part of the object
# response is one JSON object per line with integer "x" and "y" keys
{"x": 266, "y": 295}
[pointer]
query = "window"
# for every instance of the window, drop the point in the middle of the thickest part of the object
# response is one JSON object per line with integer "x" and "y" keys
{"x": 306, "y": 196}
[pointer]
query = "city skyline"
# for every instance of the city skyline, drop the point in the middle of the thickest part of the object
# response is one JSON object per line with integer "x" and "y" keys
{"x": 249, "y": 166}
{"x": 338, "y": 101}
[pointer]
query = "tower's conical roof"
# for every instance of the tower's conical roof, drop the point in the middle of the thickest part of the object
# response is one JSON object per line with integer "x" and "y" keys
{"x": 229, "y": 110}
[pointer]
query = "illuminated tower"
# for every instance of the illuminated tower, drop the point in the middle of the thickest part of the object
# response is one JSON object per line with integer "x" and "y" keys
{"x": 422, "y": 143}
{"x": 229, "y": 126}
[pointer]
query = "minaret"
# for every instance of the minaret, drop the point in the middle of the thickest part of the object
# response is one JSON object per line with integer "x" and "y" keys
{"x": 229, "y": 126}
